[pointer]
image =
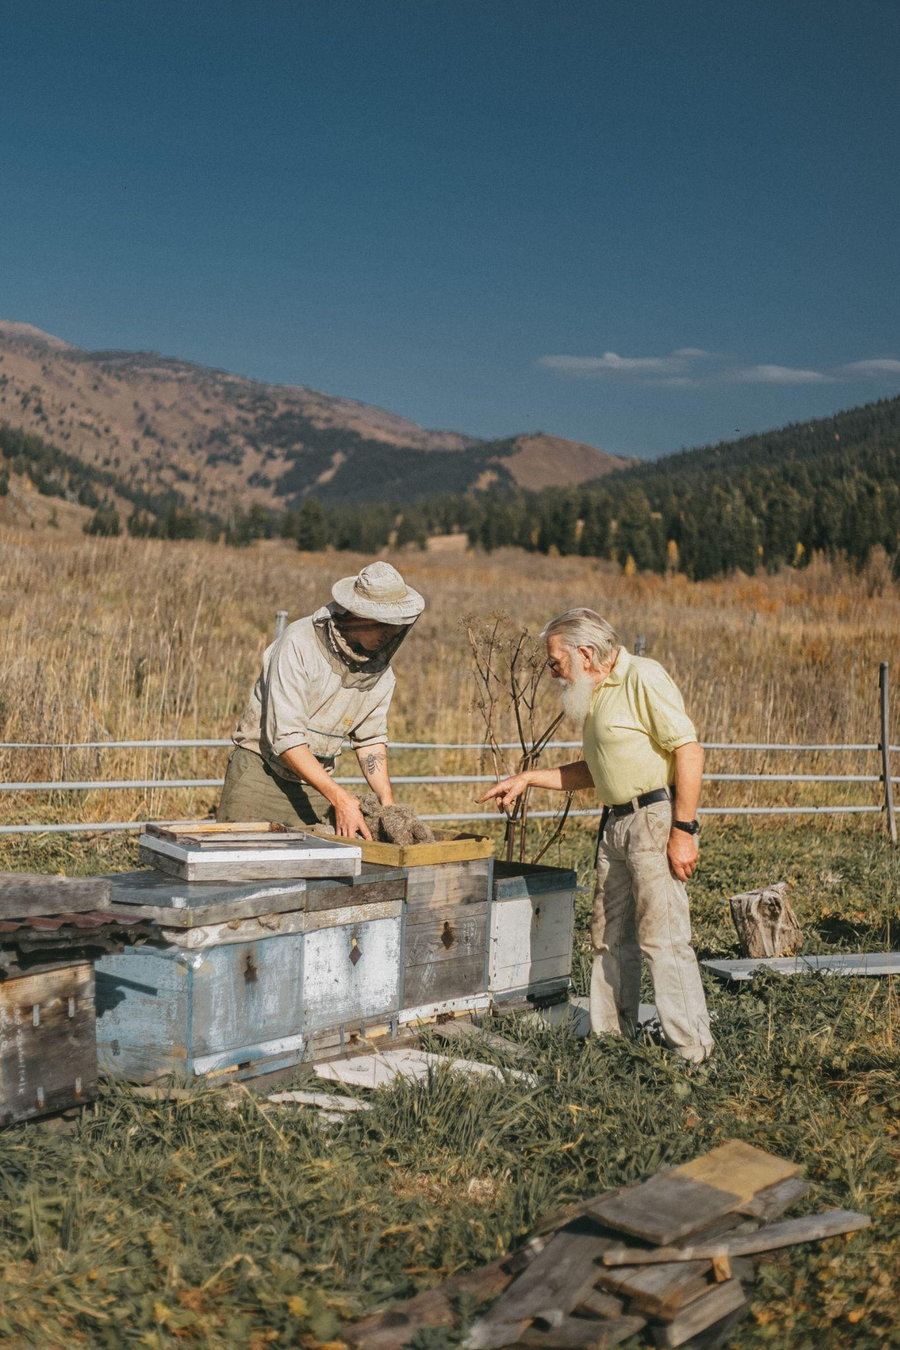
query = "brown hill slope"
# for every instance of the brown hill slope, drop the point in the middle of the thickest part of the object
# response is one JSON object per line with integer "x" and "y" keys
{"x": 162, "y": 424}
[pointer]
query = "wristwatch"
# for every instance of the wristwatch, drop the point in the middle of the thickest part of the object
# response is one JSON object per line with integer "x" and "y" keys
{"x": 689, "y": 826}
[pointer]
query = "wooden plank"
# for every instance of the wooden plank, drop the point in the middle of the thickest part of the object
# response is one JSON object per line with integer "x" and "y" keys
{"x": 565, "y": 1270}
{"x": 721, "y": 1300}
{"x": 439, "y": 982}
{"x": 859, "y": 964}
{"x": 342, "y": 893}
{"x": 583, "y": 1333}
{"x": 595, "y": 1303}
{"x": 662, "y": 1293}
{"x": 444, "y": 887}
{"x": 164, "y": 829}
{"x": 812, "y": 1228}
{"x": 24, "y": 895}
{"x": 377, "y": 1070}
{"x": 717, "y": 1335}
{"x": 467, "y": 1031}
{"x": 454, "y": 936}
{"x": 327, "y": 1101}
{"x": 740, "y": 1168}
{"x": 48, "y": 1042}
{"x": 394, "y": 1327}
{"x": 664, "y": 1208}
{"x": 770, "y": 1203}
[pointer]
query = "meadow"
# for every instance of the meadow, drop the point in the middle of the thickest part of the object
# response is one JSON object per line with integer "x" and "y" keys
{"x": 124, "y": 639}
{"x": 200, "y": 1223}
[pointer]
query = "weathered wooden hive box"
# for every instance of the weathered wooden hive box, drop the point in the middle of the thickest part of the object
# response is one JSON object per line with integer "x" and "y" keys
{"x": 246, "y": 978}
{"x": 445, "y": 938}
{"x": 48, "y": 1044}
{"x": 532, "y": 923}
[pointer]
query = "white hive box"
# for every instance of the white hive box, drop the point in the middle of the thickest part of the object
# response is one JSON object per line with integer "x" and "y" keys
{"x": 532, "y": 923}
{"x": 203, "y": 851}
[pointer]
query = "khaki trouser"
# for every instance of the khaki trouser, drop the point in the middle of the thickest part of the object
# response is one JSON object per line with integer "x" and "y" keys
{"x": 253, "y": 792}
{"x": 639, "y": 907}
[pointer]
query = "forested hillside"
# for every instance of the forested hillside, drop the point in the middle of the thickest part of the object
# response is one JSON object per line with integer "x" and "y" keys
{"x": 832, "y": 485}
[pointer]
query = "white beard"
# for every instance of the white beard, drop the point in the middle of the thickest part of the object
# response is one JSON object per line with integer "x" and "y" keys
{"x": 576, "y": 698}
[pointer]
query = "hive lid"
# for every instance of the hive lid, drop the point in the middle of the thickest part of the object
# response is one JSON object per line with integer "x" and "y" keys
{"x": 516, "y": 880}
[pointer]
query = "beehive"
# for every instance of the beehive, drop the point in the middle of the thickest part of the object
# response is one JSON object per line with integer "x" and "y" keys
{"x": 445, "y": 938}
{"x": 246, "y": 992}
{"x": 532, "y": 923}
{"x": 48, "y": 1043}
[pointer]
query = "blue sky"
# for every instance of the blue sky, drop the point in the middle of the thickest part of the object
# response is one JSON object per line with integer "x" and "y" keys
{"x": 642, "y": 224}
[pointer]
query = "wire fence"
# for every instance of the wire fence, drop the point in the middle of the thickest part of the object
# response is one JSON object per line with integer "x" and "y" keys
{"x": 419, "y": 780}
{"x": 883, "y": 781}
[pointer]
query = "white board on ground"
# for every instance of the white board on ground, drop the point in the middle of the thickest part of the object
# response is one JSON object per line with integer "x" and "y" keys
{"x": 375, "y": 1071}
{"x": 327, "y": 1101}
{"x": 831, "y": 963}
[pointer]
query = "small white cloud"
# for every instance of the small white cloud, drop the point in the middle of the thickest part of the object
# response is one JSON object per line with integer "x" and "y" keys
{"x": 777, "y": 375}
{"x": 879, "y": 369}
{"x": 610, "y": 363}
{"x": 694, "y": 353}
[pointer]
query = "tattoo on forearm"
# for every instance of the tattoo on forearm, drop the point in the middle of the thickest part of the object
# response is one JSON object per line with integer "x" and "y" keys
{"x": 374, "y": 760}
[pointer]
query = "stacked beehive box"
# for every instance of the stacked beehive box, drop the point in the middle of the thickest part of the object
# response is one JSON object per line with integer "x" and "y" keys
{"x": 48, "y": 1047}
{"x": 253, "y": 977}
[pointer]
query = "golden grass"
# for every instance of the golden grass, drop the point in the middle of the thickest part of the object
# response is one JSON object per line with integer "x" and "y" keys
{"x": 132, "y": 639}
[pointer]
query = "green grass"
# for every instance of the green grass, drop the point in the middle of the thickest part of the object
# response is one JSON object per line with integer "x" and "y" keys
{"x": 189, "y": 1223}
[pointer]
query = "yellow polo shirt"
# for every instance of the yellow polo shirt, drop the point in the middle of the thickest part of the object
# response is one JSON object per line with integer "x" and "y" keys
{"x": 635, "y": 724}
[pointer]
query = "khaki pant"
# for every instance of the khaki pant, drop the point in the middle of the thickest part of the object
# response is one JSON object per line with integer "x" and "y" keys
{"x": 639, "y": 907}
{"x": 253, "y": 792}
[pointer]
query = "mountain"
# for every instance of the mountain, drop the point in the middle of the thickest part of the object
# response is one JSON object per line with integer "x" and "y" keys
{"x": 167, "y": 430}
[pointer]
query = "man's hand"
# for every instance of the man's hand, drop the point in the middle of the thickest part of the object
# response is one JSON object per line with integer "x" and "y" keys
{"x": 683, "y": 850}
{"x": 348, "y": 818}
{"x": 507, "y": 791}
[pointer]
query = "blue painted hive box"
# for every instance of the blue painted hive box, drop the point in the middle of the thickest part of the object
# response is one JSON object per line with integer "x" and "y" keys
{"x": 245, "y": 977}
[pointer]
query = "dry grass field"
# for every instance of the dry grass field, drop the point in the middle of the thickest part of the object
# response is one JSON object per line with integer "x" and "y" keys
{"x": 185, "y": 1223}
{"x": 121, "y": 639}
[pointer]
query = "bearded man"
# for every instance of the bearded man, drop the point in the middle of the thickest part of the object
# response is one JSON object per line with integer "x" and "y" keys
{"x": 642, "y": 756}
{"x": 327, "y": 679}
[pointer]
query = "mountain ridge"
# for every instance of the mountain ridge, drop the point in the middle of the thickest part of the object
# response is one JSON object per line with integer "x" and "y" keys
{"x": 164, "y": 425}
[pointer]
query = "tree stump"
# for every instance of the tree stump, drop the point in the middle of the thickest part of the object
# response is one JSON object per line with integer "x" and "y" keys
{"x": 766, "y": 923}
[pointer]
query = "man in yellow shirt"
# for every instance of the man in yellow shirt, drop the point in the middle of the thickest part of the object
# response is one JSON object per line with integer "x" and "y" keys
{"x": 642, "y": 756}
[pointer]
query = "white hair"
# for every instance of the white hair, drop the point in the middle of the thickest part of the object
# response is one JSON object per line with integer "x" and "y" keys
{"x": 584, "y": 628}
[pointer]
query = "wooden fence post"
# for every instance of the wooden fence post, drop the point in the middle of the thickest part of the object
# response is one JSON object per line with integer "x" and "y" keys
{"x": 884, "y": 686}
{"x": 281, "y": 617}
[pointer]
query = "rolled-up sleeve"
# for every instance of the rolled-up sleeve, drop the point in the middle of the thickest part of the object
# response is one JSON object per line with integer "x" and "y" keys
{"x": 372, "y": 728}
{"x": 285, "y": 699}
{"x": 662, "y": 710}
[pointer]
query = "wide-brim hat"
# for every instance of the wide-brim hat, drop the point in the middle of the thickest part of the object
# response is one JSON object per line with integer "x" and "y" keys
{"x": 379, "y": 592}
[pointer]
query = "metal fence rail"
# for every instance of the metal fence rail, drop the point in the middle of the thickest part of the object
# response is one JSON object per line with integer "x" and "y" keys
{"x": 882, "y": 748}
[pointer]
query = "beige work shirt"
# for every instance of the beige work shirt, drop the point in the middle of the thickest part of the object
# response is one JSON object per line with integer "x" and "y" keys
{"x": 636, "y": 723}
{"x": 299, "y": 700}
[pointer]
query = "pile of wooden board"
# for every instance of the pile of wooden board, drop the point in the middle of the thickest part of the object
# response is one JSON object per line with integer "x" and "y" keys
{"x": 670, "y": 1257}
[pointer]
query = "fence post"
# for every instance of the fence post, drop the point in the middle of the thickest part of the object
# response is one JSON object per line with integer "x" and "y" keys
{"x": 885, "y": 747}
{"x": 281, "y": 616}
{"x": 640, "y": 646}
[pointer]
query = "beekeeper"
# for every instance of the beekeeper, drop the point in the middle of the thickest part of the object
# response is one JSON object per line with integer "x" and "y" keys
{"x": 327, "y": 679}
{"x": 642, "y": 757}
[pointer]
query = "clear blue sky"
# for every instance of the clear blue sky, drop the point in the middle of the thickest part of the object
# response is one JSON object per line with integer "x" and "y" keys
{"x": 488, "y": 215}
